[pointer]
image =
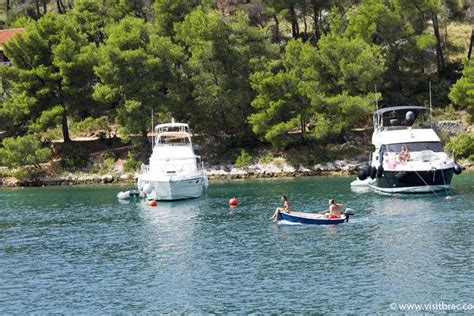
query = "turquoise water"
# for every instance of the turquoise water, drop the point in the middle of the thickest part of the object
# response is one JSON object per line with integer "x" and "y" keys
{"x": 78, "y": 250}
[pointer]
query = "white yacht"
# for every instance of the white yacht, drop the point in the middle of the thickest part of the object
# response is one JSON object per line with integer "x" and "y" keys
{"x": 174, "y": 172}
{"x": 426, "y": 169}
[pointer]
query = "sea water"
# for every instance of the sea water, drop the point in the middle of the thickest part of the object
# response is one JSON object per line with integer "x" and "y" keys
{"x": 80, "y": 250}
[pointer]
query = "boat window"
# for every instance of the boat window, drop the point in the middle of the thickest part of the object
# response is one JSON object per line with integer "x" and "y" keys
{"x": 171, "y": 139}
{"x": 173, "y": 129}
{"x": 397, "y": 119}
{"x": 433, "y": 146}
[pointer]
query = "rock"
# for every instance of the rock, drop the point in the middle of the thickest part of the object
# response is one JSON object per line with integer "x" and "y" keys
{"x": 108, "y": 178}
{"x": 238, "y": 171}
{"x": 330, "y": 166}
{"x": 339, "y": 164}
{"x": 217, "y": 173}
{"x": 301, "y": 168}
{"x": 11, "y": 182}
{"x": 350, "y": 167}
{"x": 452, "y": 127}
{"x": 125, "y": 176}
{"x": 271, "y": 169}
{"x": 288, "y": 169}
{"x": 318, "y": 167}
{"x": 253, "y": 169}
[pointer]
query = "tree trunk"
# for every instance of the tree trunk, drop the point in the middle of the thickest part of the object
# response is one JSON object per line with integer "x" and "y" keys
{"x": 8, "y": 6}
{"x": 45, "y": 7}
{"x": 470, "y": 45}
{"x": 276, "y": 31}
{"x": 302, "y": 122}
{"x": 305, "y": 26}
{"x": 294, "y": 22}
{"x": 224, "y": 121}
{"x": 145, "y": 138}
{"x": 439, "y": 50}
{"x": 66, "y": 137}
{"x": 60, "y": 6}
{"x": 38, "y": 13}
{"x": 317, "y": 32}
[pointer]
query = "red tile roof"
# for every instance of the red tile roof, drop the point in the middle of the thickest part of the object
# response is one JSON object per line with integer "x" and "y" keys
{"x": 6, "y": 35}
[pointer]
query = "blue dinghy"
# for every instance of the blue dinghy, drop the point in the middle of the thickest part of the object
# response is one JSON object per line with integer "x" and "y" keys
{"x": 314, "y": 219}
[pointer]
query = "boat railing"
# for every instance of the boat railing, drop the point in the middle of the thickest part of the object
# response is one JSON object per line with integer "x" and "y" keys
{"x": 144, "y": 168}
{"x": 199, "y": 163}
{"x": 424, "y": 156}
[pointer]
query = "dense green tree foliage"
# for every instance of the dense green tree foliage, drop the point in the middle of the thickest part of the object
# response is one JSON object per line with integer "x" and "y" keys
{"x": 23, "y": 150}
{"x": 135, "y": 69}
{"x": 462, "y": 92}
{"x": 317, "y": 88}
{"x": 221, "y": 53}
{"x": 283, "y": 71}
{"x": 52, "y": 77}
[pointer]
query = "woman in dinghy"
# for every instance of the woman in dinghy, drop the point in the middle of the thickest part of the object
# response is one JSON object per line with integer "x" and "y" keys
{"x": 286, "y": 208}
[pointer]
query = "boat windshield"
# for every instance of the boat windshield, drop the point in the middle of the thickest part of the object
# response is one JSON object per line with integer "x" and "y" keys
{"x": 421, "y": 146}
{"x": 172, "y": 128}
{"x": 173, "y": 139}
{"x": 401, "y": 117}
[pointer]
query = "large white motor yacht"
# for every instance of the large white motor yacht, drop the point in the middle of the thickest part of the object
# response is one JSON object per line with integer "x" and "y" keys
{"x": 174, "y": 172}
{"x": 426, "y": 169}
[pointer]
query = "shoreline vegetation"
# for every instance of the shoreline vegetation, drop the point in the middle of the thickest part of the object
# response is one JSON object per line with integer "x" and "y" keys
{"x": 112, "y": 161}
{"x": 215, "y": 173}
{"x": 270, "y": 88}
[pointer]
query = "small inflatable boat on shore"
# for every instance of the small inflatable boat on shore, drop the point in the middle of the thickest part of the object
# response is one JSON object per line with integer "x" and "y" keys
{"x": 314, "y": 218}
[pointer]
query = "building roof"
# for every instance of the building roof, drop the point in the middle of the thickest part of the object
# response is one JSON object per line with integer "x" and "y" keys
{"x": 6, "y": 35}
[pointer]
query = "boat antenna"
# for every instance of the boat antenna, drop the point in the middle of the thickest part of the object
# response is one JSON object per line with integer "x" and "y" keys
{"x": 376, "y": 99}
{"x": 152, "y": 130}
{"x": 431, "y": 107}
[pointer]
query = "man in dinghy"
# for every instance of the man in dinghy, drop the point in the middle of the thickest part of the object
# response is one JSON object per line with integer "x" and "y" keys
{"x": 285, "y": 209}
{"x": 335, "y": 209}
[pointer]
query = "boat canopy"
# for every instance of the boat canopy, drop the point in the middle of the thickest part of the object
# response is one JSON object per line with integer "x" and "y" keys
{"x": 172, "y": 127}
{"x": 400, "y": 117}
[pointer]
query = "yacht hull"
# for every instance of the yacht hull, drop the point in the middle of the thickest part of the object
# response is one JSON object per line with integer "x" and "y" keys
{"x": 172, "y": 190}
{"x": 413, "y": 181}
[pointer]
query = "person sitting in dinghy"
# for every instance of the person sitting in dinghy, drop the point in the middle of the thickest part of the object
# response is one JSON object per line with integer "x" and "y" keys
{"x": 335, "y": 209}
{"x": 285, "y": 209}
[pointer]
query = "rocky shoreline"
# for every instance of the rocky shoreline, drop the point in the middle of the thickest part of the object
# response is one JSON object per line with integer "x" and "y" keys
{"x": 276, "y": 169}
{"x": 279, "y": 168}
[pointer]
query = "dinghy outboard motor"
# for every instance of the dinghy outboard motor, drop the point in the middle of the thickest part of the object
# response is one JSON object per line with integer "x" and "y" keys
{"x": 348, "y": 212}
{"x": 410, "y": 118}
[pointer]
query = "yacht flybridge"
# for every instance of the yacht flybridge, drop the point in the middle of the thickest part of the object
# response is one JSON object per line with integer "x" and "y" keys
{"x": 174, "y": 172}
{"x": 423, "y": 167}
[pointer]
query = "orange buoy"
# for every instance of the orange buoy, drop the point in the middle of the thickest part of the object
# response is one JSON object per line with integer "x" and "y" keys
{"x": 233, "y": 202}
{"x": 152, "y": 203}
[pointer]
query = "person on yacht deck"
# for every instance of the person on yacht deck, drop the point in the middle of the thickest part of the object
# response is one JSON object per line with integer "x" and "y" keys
{"x": 404, "y": 155}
